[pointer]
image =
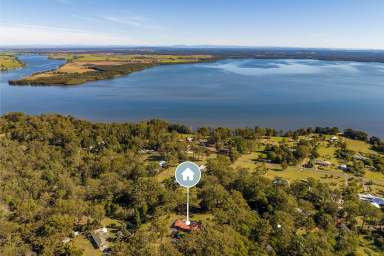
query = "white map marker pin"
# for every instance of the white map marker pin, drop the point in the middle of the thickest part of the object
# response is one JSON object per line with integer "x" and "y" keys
{"x": 188, "y": 174}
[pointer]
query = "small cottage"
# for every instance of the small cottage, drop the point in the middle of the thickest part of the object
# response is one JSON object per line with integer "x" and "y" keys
{"x": 99, "y": 237}
{"x": 182, "y": 226}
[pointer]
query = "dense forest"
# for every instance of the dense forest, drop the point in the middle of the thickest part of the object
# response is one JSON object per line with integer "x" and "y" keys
{"x": 60, "y": 175}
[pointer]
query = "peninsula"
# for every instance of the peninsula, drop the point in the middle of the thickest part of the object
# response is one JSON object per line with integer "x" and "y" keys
{"x": 81, "y": 68}
{"x": 9, "y": 61}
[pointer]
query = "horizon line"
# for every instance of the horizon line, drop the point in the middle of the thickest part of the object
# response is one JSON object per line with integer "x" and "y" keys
{"x": 45, "y": 46}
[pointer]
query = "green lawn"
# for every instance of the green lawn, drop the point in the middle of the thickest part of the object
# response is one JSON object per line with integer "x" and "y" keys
{"x": 293, "y": 173}
{"x": 86, "y": 245}
{"x": 106, "y": 222}
{"x": 359, "y": 146}
{"x": 247, "y": 161}
{"x": 166, "y": 173}
{"x": 327, "y": 152}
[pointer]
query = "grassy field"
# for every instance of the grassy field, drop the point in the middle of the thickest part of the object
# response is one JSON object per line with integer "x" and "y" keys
{"x": 292, "y": 173}
{"x": 359, "y": 146}
{"x": 331, "y": 174}
{"x": 81, "y": 68}
{"x": 327, "y": 152}
{"x": 8, "y": 62}
{"x": 84, "y": 244}
{"x": 107, "y": 222}
{"x": 247, "y": 161}
{"x": 133, "y": 58}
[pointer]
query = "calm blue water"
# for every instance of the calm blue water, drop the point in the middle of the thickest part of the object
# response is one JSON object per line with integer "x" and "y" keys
{"x": 283, "y": 94}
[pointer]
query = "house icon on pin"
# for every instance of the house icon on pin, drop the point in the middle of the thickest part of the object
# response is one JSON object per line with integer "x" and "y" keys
{"x": 188, "y": 174}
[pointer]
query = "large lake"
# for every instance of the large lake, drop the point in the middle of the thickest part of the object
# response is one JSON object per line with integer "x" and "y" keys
{"x": 284, "y": 94}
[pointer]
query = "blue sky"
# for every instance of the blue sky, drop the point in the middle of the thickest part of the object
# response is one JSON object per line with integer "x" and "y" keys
{"x": 290, "y": 23}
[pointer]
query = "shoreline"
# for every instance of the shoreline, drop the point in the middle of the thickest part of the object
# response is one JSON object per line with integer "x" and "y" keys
{"x": 56, "y": 78}
{"x": 82, "y": 71}
{"x": 193, "y": 127}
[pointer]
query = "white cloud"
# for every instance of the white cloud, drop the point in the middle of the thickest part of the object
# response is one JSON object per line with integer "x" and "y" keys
{"x": 42, "y": 35}
{"x": 130, "y": 21}
{"x": 122, "y": 21}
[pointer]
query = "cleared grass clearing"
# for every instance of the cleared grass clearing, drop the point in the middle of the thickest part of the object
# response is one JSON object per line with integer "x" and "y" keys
{"x": 359, "y": 146}
{"x": 106, "y": 222}
{"x": 247, "y": 161}
{"x": 166, "y": 173}
{"x": 327, "y": 151}
{"x": 84, "y": 244}
{"x": 74, "y": 68}
{"x": 374, "y": 176}
{"x": 293, "y": 174}
{"x": 378, "y": 181}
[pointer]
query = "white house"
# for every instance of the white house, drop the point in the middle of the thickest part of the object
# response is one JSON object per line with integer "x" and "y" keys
{"x": 188, "y": 174}
{"x": 334, "y": 138}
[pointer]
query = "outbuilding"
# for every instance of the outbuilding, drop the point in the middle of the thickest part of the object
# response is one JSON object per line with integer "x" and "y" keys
{"x": 99, "y": 237}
